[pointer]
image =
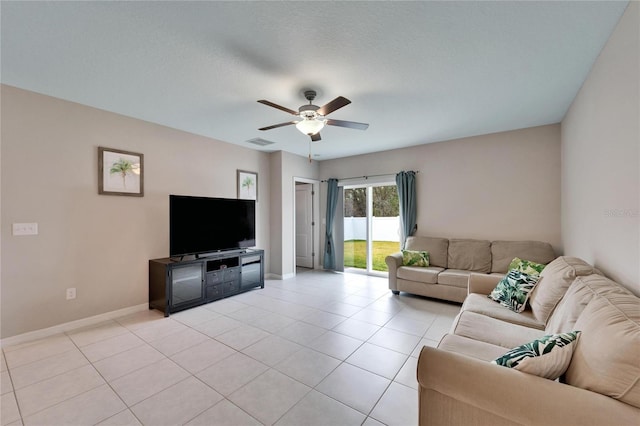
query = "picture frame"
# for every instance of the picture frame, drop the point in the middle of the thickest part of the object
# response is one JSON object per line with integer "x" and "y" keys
{"x": 120, "y": 172}
{"x": 247, "y": 185}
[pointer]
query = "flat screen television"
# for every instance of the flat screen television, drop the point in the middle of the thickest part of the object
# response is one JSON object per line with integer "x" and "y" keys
{"x": 200, "y": 225}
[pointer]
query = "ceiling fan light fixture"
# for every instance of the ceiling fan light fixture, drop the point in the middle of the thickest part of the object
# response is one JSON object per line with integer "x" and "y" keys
{"x": 310, "y": 119}
{"x": 310, "y": 126}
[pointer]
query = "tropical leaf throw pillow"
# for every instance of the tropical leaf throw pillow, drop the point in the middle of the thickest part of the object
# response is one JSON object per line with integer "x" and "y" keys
{"x": 547, "y": 357}
{"x": 526, "y": 266}
{"x": 514, "y": 289}
{"x": 415, "y": 258}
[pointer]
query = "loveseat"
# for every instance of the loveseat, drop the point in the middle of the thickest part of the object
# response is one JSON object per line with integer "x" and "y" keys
{"x": 452, "y": 261}
{"x": 601, "y": 386}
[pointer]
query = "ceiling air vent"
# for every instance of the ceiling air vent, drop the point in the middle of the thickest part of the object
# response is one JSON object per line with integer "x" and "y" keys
{"x": 260, "y": 142}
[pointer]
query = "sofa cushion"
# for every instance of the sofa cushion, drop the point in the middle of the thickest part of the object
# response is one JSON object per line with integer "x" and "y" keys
{"x": 494, "y": 331}
{"x": 454, "y": 277}
{"x": 481, "y": 304}
{"x": 437, "y": 248}
{"x": 555, "y": 280}
{"x": 470, "y": 255}
{"x": 577, "y": 297}
{"x": 427, "y": 275}
{"x": 548, "y": 356}
{"x": 513, "y": 290}
{"x": 415, "y": 258}
{"x": 503, "y": 252}
{"x": 607, "y": 357}
{"x": 470, "y": 347}
{"x": 436, "y": 291}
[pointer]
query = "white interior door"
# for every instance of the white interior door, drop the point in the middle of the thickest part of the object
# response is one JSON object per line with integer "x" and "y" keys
{"x": 304, "y": 225}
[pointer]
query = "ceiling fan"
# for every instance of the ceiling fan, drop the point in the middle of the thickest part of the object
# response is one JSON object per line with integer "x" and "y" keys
{"x": 311, "y": 118}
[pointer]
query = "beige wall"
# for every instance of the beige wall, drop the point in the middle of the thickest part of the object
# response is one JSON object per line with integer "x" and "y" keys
{"x": 498, "y": 186}
{"x": 285, "y": 167}
{"x": 97, "y": 243}
{"x": 275, "y": 241}
{"x": 600, "y": 159}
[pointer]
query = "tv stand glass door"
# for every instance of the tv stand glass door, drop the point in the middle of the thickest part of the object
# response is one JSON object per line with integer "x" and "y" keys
{"x": 186, "y": 284}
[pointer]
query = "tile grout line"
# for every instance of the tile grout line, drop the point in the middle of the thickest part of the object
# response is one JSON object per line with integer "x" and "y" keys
{"x": 302, "y": 303}
{"x": 59, "y": 402}
{"x": 167, "y": 357}
{"x": 13, "y": 389}
{"x": 224, "y": 398}
{"x": 292, "y": 378}
{"x": 106, "y": 382}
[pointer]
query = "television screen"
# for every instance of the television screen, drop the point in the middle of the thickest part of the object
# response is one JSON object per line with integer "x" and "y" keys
{"x": 202, "y": 224}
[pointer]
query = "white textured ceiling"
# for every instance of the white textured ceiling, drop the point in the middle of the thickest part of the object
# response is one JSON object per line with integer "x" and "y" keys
{"x": 418, "y": 72}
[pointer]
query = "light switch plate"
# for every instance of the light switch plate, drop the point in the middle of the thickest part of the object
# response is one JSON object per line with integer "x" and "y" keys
{"x": 25, "y": 229}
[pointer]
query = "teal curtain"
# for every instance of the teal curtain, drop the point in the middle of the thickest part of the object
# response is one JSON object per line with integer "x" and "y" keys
{"x": 406, "y": 183}
{"x": 329, "y": 261}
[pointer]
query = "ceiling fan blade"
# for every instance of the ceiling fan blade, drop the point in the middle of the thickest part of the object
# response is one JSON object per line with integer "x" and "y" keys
{"x": 280, "y": 107}
{"x": 335, "y": 104}
{"x": 316, "y": 137}
{"x": 347, "y": 124}
{"x": 275, "y": 126}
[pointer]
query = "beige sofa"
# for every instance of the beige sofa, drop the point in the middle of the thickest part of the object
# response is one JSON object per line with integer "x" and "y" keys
{"x": 457, "y": 386}
{"x": 451, "y": 261}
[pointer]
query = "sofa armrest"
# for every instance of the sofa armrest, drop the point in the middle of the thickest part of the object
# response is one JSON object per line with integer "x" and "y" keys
{"x": 482, "y": 283}
{"x": 393, "y": 261}
{"x": 477, "y": 391}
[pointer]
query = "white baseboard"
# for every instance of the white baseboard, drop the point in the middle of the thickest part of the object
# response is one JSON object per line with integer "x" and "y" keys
{"x": 271, "y": 276}
{"x": 68, "y": 326}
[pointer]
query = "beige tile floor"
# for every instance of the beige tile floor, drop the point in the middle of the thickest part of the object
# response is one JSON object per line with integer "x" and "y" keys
{"x": 319, "y": 349}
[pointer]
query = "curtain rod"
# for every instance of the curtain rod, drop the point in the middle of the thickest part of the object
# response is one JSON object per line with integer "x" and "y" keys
{"x": 370, "y": 176}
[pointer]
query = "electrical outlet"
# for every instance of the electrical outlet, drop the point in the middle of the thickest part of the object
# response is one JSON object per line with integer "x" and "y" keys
{"x": 71, "y": 293}
{"x": 25, "y": 229}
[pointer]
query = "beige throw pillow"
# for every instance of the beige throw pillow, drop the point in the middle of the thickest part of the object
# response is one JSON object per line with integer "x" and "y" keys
{"x": 555, "y": 279}
{"x": 607, "y": 357}
{"x": 437, "y": 248}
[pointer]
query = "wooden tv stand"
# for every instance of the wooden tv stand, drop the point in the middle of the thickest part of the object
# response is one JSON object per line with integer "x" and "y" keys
{"x": 178, "y": 285}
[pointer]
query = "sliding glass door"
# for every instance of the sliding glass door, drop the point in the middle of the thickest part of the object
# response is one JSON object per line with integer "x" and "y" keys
{"x": 371, "y": 226}
{"x": 355, "y": 227}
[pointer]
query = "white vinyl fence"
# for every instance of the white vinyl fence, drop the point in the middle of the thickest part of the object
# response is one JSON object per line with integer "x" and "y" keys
{"x": 384, "y": 228}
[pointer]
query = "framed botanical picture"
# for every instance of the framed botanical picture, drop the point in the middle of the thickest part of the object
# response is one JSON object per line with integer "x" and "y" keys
{"x": 247, "y": 185}
{"x": 120, "y": 172}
